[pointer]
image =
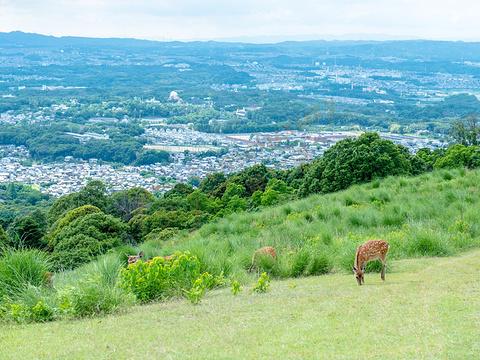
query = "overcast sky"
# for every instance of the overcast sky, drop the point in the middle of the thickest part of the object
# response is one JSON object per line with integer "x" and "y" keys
{"x": 246, "y": 19}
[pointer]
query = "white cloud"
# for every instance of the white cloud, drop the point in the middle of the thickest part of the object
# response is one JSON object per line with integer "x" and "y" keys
{"x": 213, "y": 19}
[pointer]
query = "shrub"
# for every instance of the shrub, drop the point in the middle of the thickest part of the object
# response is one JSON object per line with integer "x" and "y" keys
{"x": 69, "y": 217}
{"x": 263, "y": 284}
{"x": 319, "y": 264}
{"x": 84, "y": 238}
{"x": 300, "y": 263}
{"x": 196, "y": 293}
{"x": 21, "y": 268}
{"x": 30, "y": 305}
{"x": 427, "y": 243}
{"x": 264, "y": 262}
{"x": 161, "y": 234}
{"x": 91, "y": 297}
{"x": 41, "y": 312}
{"x": 235, "y": 287}
{"x": 160, "y": 278}
{"x": 200, "y": 286}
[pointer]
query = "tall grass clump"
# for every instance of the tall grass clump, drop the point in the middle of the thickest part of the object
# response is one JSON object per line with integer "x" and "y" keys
{"x": 20, "y": 269}
{"x": 92, "y": 296}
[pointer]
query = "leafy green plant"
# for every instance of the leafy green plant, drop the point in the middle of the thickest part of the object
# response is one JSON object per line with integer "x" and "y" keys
{"x": 41, "y": 312}
{"x": 160, "y": 278}
{"x": 204, "y": 282}
{"x": 263, "y": 284}
{"x": 236, "y": 288}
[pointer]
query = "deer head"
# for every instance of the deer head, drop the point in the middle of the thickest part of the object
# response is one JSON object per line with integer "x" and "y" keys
{"x": 359, "y": 275}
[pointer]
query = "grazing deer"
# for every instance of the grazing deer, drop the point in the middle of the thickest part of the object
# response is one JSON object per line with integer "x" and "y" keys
{"x": 369, "y": 251}
{"x": 132, "y": 259}
{"x": 48, "y": 279}
{"x": 264, "y": 251}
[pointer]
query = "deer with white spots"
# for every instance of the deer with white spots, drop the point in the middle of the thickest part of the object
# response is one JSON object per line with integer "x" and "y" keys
{"x": 369, "y": 251}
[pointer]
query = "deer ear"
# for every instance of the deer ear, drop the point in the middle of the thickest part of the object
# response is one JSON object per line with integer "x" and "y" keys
{"x": 354, "y": 269}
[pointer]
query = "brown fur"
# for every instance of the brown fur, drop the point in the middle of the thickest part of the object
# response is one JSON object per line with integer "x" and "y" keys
{"x": 369, "y": 251}
{"x": 264, "y": 251}
{"x": 132, "y": 259}
{"x": 48, "y": 279}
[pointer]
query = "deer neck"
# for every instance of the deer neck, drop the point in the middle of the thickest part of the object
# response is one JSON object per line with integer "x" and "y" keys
{"x": 358, "y": 262}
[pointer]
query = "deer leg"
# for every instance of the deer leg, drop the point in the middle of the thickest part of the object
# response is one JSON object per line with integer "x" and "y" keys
{"x": 384, "y": 265}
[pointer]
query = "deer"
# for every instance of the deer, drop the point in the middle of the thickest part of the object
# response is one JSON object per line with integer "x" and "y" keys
{"x": 132, "y": 259}
{"x": 264, "y": 251}
{"x": 48, "y": 279}
{"x": 369, "y": 251}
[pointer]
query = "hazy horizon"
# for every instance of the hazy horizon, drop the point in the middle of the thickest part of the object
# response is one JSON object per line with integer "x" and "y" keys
{"x": 250, "y": 21}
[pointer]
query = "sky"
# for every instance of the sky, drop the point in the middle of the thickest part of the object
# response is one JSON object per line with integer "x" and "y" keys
{"x": 254, "y": 20}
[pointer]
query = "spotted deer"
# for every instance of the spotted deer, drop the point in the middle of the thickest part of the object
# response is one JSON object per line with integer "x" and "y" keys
{"x": 264, "y": 251}
{"x": 132, "y": 259}
{"x": 48, "y": 278}
{"x": 369, "y": 251}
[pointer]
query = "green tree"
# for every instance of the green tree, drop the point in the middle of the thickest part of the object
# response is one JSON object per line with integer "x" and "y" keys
{"x": 27, "y": 231}
{"x": 214, "y": 185}
{"x": 252, "y": 179}
{"x": 466, "y": 131}
{"x": 67, "y": 219}
{"x": 94, "y": 193}
{"x": 353, "y": 161}
{"x": 125, "y": 203}
{"x": 198, "y": 200}
{"x": 148, "y": 157}
{"x": 460, "y": 156}
{"x": 85, "y": 237}
{"x": 4, "y": 242}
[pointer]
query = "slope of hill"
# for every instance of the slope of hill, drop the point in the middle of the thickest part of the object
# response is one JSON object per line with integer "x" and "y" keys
{"x": 428, "y": 308}
{"x": 432, "y": 215}
{"x": 435, "y": 214}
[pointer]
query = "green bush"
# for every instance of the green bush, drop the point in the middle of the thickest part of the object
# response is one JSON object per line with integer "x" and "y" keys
{"x": 301, "y": 261}
{"x": 200, "y": 286}
{"x": 82, "y": 239}
{"x": 20, "y": 269}
{"x": 264, "y": 263}
{"x": 319, "y": 264}
{"x": 236, "y": 288}
{"x": 263, "y": 284}
{"x": 428, "y": 243}
{"x": 160, "y": 278}
{"x": 91, "y": 297}
{"x": 32, "y": 304}
{"x": 161, "y": 234}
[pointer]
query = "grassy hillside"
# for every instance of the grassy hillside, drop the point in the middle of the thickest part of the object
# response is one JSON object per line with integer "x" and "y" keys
{"x": 435, "y": 214}
{"x": 428, "y": 308}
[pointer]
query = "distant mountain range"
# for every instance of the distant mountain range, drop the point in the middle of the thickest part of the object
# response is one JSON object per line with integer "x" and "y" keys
{"x": 409, "y": 49}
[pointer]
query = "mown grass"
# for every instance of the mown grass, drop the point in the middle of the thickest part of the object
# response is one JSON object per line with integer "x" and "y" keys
{"x": 429, "y": 308}
{"x": 431, "y": 215}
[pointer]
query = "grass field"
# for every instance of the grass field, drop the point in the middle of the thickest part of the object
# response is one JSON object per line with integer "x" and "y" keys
{"x": 429, "y": 308}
